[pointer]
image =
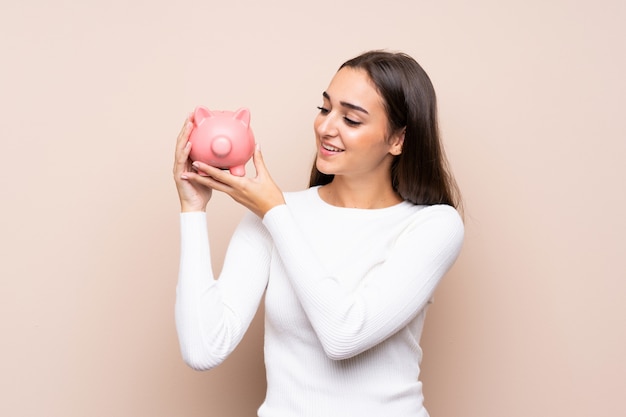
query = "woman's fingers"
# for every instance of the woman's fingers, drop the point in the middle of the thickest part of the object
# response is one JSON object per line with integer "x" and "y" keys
{"x": 259, "y": 162}
{"x": 183, "y": 136}
{"x": 183, "y": 147}
{"x": 214, "y": 176}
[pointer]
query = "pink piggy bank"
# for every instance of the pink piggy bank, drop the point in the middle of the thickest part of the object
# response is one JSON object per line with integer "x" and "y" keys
{"x": 222, "y": 139}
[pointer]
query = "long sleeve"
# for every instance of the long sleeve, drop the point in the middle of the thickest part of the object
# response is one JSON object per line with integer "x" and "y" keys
{"x": 212, "y": 315}
{"x": 392, "y": 291}
{"x": 345, "y": 293}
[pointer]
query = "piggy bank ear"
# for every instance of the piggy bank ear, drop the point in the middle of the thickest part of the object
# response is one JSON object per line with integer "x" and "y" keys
{"x": 201, "y": 113}
{"x": 243, "y": 115}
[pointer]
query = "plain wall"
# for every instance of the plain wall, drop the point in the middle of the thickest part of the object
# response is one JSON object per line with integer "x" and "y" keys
{"x": 530, "y": 321}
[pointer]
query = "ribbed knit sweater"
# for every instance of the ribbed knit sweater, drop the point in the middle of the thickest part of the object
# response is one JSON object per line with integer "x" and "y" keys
{"x": 346, "y": 291}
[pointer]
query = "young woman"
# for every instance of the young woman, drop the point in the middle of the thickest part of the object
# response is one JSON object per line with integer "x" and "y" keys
{"x": 348, "y": 266}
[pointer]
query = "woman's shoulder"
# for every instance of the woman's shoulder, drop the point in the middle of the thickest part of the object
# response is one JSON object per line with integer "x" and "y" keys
{"x": 441, "y": 213}
{"x": 440, "y": 210}
{"x": 437, "y": 219}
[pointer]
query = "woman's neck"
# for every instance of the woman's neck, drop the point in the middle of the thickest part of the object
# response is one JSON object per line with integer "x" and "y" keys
{"x": 358, "y": 194}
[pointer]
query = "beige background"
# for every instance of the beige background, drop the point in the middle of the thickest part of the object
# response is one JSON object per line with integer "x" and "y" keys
{"x": 530, "y": 322}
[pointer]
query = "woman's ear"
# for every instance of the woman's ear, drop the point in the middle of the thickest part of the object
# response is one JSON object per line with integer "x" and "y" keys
{"x": 397, "y": 141}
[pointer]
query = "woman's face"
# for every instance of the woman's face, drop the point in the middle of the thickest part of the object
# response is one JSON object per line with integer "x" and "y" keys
{"x": 351, "y": 129}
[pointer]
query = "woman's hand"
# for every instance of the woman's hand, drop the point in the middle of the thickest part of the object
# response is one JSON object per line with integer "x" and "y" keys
{"x": 258, "y": 194}
{"x": 193, "y": 195}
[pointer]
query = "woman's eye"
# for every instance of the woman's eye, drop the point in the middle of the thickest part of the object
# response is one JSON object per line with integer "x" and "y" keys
{"x": 324, "y": 111}
{"x": 351, "y": 122}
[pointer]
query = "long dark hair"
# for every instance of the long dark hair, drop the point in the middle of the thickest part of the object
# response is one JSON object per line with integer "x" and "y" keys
{"x": 420, "y": 174}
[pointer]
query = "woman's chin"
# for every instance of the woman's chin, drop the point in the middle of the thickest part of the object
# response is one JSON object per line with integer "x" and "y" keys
{"x": 323, "y": 168}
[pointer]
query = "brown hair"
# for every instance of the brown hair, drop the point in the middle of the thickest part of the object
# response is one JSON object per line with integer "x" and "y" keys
{"x": 420, "y": 174}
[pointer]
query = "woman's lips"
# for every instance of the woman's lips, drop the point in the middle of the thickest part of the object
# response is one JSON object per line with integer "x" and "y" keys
{"x": 328, "y": 149}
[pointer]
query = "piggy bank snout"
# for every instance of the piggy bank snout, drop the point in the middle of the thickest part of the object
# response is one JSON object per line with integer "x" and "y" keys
{"x": 221, "y": 146}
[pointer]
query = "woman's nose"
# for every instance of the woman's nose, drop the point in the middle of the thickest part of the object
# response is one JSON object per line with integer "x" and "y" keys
{"x": 327, "y": 125}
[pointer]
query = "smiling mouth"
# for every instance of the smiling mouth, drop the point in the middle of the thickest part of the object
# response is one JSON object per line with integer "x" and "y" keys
{"x": 331, "y": 148}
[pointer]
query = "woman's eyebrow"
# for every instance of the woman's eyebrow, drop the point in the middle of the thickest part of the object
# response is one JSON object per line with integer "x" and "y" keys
{"x": 346, "y": 104}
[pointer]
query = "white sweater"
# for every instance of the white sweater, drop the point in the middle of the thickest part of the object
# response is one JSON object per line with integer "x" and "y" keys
{"x": 346, "y": 292}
